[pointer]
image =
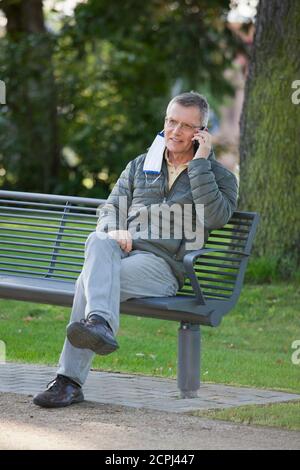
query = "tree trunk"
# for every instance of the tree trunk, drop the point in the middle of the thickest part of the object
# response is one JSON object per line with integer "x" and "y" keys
{"x": 269, "y": 148}
{"x": 31, "y": 96}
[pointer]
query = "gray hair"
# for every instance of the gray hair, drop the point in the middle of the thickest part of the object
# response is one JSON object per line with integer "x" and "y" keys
{"x": 192, "y": 98}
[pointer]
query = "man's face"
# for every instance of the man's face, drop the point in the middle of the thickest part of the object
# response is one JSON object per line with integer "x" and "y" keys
{"x": 180, "y": 126}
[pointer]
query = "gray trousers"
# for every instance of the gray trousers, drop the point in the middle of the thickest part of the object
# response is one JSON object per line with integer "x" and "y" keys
{"x": 110, "y": 276}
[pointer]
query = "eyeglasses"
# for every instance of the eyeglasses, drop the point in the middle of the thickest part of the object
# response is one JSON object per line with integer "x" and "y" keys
{"x": 172, "y": 124}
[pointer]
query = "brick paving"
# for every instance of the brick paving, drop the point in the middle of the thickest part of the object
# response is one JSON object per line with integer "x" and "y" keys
{"x": 138, "y": 391}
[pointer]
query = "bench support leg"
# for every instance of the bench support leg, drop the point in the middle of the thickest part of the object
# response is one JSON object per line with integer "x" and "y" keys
{"x": 188, "y": 372}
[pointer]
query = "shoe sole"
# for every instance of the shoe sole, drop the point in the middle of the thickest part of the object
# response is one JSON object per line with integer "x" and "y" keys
{"x": 80, "y": 337}
{"x": 47, "y": 404}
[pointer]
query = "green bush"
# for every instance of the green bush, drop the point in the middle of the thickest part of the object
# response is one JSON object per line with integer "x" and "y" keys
{"x": 262, "y": 270}
{"x": 267, "y": 270}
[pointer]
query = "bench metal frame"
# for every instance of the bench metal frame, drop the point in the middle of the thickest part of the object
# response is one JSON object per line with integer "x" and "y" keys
{"x": 42, "y": 241}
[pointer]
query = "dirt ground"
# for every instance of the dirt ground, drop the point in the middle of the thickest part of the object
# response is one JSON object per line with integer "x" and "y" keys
{"x": 91, "y": 425}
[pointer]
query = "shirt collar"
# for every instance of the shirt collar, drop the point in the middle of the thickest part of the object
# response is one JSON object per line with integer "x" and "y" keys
{"x": 171, "y": 164}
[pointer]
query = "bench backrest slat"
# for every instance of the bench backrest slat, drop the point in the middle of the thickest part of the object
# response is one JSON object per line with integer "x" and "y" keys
{"x": 44, "y": 236}
{"x": 220, "y": 273}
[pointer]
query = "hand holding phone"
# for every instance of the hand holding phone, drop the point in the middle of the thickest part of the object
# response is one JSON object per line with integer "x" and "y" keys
{"x": 202, "y": 143}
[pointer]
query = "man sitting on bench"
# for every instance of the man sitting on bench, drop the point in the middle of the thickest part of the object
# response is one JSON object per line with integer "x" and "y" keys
{"x": 179, "y": 169}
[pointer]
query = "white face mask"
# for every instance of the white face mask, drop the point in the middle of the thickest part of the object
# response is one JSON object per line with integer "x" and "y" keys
{"x": 154, "y": 157}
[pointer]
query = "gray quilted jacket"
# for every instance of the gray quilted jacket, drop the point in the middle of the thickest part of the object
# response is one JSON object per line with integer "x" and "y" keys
{"x": 204, "y": 182}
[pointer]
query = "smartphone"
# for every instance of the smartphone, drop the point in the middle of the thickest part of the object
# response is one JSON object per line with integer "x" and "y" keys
{"x": 196, "y": 143}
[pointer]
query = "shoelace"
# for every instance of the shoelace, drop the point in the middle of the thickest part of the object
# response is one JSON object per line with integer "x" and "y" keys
{"x": 53, "y": 384}
{"x": 92, "y": 321}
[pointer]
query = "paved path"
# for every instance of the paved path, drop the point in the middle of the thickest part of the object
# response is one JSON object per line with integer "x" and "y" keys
{"x": 125, "y": 411}
{"x": 138, "y": 391}
{"x": 91, "y": 425}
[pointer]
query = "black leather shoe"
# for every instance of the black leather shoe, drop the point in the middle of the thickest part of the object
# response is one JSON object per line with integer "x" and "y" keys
{"x": 60, "y": 392}
{"x": 93, "y": 333}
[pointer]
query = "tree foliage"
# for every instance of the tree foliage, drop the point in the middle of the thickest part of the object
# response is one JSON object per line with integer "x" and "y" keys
{"x": 115, "y": 66}
{"x": 28, "y": 125}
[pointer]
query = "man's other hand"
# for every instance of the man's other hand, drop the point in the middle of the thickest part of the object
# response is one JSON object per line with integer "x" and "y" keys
{"x": 123, "y": 237}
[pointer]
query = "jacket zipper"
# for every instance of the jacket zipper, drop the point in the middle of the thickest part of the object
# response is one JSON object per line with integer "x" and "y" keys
{"x": 167, "y": 192}
{"x": 167, "y": 195}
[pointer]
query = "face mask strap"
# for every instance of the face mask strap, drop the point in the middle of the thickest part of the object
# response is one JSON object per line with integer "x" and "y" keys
{"x": 153, "y": 180}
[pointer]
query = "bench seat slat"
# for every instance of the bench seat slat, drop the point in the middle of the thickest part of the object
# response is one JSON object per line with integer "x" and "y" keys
{"x": 61, "y": 292}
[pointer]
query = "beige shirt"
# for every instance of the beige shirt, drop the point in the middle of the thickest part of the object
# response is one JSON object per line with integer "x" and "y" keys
{"x": 174, "y": 172}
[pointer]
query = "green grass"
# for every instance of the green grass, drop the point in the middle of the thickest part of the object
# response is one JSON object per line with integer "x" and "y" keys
{"x": 252, "y": 346}
{"x": 283, "y": 415}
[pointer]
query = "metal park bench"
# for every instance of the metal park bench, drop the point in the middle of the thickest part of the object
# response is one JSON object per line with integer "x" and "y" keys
{"x": 42, "y": 241}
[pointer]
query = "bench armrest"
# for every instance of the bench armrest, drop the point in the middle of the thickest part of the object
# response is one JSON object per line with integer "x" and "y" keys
{"x": 188, "y": 262}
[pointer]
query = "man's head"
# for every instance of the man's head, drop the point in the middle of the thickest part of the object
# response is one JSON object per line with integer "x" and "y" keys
{"x": 186, "y": 113}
